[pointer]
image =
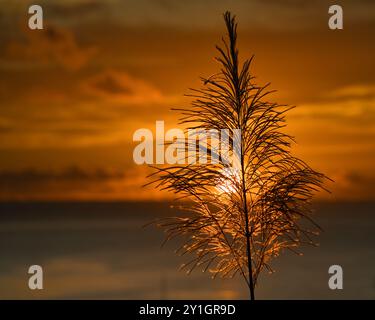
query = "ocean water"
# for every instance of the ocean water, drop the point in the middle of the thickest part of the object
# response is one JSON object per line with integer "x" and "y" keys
{"x": 102, "y": 251}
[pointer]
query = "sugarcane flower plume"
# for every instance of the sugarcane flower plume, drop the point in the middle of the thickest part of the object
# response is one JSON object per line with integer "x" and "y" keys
{"x": 239, "y": 215}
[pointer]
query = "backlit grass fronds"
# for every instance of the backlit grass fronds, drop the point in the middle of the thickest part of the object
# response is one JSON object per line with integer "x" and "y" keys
{"x": 242, "y": 216}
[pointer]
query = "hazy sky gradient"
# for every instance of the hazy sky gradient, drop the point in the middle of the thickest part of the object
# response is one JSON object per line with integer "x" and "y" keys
{"x": 72, "y": 95}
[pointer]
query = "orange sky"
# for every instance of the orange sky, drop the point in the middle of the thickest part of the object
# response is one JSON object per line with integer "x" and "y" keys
{"x": 72, "y": 95}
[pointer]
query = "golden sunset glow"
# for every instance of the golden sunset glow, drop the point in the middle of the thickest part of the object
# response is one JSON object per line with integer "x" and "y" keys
{"x": 73, "y": 94}
{"x": 119, "y": 127}
{"x": 229, "y": 181}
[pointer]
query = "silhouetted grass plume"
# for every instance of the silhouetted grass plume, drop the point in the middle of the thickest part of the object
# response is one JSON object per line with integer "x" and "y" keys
{"x": 242, "y": 216}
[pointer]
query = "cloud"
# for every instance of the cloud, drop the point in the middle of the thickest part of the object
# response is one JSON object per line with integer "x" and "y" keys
{"x": 352, "y": 185}
{"x": 76, "y": 8}
{"x": 76, "y": 183}
{"x": 335, "y": 134}
{"x": 276, "y": 15}
{"x": 355, "y": 104}
{"x": 52, "y": 45}
{"x": 121, "y": 87}
{"x": 364, "y": 91}
{"x": 338, "y": 127}
{"x": 70, "y": 174}
{"x": 32, "y": 183}
{"x": 99, "y": 108}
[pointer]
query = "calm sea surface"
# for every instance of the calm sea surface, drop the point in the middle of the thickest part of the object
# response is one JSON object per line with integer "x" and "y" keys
{"x": 101, "y": 251}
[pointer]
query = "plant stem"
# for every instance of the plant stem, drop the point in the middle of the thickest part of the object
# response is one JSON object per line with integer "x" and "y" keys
{"x": 231, "y": 26}
{"x": 248, "y": 246}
